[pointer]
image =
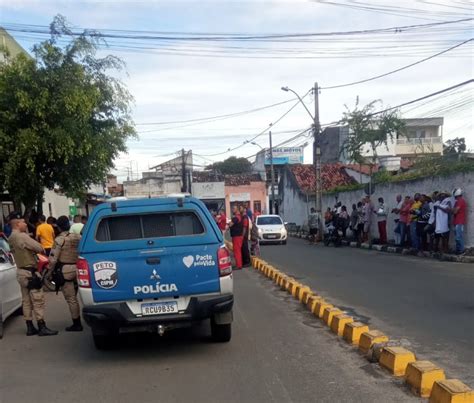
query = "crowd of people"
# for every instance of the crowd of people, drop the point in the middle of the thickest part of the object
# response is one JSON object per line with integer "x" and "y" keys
{"x": 33, "y": 238}
{"x": 422, "y": 222}
{"x": 243, "y": 229}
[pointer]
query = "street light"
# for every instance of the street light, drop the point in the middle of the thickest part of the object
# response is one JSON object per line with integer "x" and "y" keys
{"x": 316, "y": 149}
{"x": 258, "y": 145}
{"x": 286, "y": 89}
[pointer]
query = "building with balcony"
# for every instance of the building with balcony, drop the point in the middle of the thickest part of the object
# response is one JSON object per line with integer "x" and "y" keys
{"x": 422, "y": 136}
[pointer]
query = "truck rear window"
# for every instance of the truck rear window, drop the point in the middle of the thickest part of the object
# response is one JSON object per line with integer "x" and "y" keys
{"x": 159, "y": 225}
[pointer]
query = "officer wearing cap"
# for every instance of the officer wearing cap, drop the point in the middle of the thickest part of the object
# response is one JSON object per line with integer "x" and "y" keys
{"x": 24, "y": 249}
{"x": 62, "y": 267}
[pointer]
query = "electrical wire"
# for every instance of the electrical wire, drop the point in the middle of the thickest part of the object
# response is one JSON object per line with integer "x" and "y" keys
{"x": 259, "y": 134}
{"x": 399, "y": 69}
{"x": 229, "y": 115}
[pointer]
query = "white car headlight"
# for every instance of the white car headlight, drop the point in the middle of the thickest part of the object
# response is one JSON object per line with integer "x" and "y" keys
{"x": 283, "y": 231}
{"x": 260, "y": 231}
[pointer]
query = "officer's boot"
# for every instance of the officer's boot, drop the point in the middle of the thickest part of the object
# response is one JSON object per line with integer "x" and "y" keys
{"x": 76, "y": 326}
{"x": 44, "y": 331}
{"x": 30, "y": 328}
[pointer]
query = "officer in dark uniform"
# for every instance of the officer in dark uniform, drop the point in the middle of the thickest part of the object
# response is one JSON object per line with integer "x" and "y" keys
{"x": 24, "y": 249}
{"x": 62, "y": 266}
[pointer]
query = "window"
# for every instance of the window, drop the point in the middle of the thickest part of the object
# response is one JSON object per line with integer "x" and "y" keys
{"x": 137, "y": 226}
{"x": 257, "y": 206}
{"x": 269, "y": 221}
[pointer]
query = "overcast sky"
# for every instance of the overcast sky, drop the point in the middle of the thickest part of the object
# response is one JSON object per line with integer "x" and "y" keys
{"x": 190, "y": 80}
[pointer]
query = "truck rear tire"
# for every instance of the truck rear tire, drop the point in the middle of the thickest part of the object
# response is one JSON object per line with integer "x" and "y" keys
{"x": 221, "y": 333}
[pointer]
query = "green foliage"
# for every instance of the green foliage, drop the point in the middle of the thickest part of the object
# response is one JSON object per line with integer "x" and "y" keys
{"x": 455, "y": 146}
{"x": 232, "y": 165}
{"x": 63, "y": 118}
{"x": 368, "y": 127}
{"x": 344, "y": 188}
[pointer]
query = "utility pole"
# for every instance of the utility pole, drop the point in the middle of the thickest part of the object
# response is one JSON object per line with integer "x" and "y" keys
{"x": 272, "y": 173}
{"x": 183, "y": 171}
{"x": 317, "y": 161}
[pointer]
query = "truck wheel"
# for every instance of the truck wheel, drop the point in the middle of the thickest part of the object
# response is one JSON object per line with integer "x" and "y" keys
{"x": 221, "y": 333}
{"x": 105, "y": 341}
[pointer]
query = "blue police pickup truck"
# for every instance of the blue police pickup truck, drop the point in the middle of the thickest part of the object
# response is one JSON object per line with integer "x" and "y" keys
{"x": 153, "y": 265}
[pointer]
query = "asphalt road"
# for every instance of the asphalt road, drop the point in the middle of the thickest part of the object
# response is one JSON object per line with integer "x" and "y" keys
{"x": 426, "y": 304}
{"x": 279, "y": 353}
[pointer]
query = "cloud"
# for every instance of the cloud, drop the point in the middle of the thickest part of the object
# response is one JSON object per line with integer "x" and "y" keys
{"x": 171, "y": 87}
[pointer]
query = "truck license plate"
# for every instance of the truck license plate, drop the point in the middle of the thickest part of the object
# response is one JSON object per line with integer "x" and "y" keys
{"x": 159, "y": 308}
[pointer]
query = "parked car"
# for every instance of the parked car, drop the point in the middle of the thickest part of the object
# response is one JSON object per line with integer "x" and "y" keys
{"x": 10, "y": 293}
{"x": 154, "y": 265}
{"x": 271, "y": 229}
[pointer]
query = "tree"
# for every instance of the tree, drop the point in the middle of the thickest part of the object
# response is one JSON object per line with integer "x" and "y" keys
{"x": 232, "y": 165}
{"x": 455, "y": 146}
{"x": 64, "y": 119}
{"x": 367, "y": 128}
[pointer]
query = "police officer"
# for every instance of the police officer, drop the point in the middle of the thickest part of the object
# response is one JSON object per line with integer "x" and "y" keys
{"x": 62, "y": 266}
{"x": 24, "y": 249}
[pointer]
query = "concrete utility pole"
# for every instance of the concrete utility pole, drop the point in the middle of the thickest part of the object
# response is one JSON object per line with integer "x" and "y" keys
{"x": 183, "y": 171}
{"x": 316, "y": 151}
{"x": 317, "y": 160}
{"x": 272, "y": 173}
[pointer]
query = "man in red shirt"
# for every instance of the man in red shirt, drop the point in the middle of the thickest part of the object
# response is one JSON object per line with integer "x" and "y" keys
{"x": 222, "y": 221}
{"x": 236, "y": 233}
{"x": 459, "y": 210}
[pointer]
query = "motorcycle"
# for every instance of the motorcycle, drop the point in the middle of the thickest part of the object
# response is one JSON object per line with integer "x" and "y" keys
{"x": 333, "y": 235}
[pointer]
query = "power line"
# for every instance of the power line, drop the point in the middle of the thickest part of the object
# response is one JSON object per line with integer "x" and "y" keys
{"x": 399, "y": 69}
{"x": 211, "y": 37}
{"x": 259, "y": 134}
{"x": 229, "y": 115}
{"x": 425, "y": 97}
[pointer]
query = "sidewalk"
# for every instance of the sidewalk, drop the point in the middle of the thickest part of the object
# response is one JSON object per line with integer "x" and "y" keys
{"x": 467, "y": 257}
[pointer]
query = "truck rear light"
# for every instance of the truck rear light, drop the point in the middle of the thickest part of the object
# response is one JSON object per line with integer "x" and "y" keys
{"x": 224, "y": 261}
{"x": 83, "y": 275}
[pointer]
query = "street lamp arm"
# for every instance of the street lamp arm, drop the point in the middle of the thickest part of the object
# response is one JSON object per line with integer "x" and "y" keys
{"x": 286, "y": 89}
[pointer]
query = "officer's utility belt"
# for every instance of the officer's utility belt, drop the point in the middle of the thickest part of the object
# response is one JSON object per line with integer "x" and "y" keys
{"x": 58, "y": 276}
{"x": 64, "y": 264}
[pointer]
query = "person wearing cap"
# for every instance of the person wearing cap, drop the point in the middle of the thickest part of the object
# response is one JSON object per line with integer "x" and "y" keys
{"x": 62, "y": 268}
{"x": 24, "y": 250}
{"x": 459, "y": 221}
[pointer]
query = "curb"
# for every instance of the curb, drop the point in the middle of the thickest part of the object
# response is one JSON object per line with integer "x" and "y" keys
{"x": 424, "y": 378}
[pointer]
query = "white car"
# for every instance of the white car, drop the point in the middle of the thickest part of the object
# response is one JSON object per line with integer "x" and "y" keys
{"x": 271, "y": 229}
{"x": 10, "y": 294}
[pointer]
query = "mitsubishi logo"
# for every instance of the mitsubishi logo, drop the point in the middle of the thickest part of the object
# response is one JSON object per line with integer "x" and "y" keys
{"x": 155, "y": 275}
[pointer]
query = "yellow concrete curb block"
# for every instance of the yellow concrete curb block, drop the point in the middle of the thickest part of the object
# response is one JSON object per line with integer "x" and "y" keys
{"x": 329, "y": 314}
{"x": 312, "y": 301}
{"x": 339, "y": 322}
{"x": 320, "y": 307}
{"x": 396, "y": 359}
{"x": 451, "y": 391}
{"x": 353, "y": 331}
{"x": 307, "y": 296}
{"x": 289, "y": 284}
{"x": 421, "y": 376}
{"x": 296, "y": 289}
{"x": 367, "y": 339}
{"x": 304, "y": 294}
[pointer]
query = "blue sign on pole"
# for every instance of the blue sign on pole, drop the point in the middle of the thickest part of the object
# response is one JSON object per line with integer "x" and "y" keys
{"x": 285, "y": 155}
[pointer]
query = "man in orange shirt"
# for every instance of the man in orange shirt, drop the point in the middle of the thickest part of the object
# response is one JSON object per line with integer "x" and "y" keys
{"x": 45, "y": 234}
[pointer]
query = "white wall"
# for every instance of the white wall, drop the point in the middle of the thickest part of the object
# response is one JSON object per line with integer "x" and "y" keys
{"x": 59, "y": 204}
{"x": 426, "y": 186}
{"x": 294, "y": 207}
